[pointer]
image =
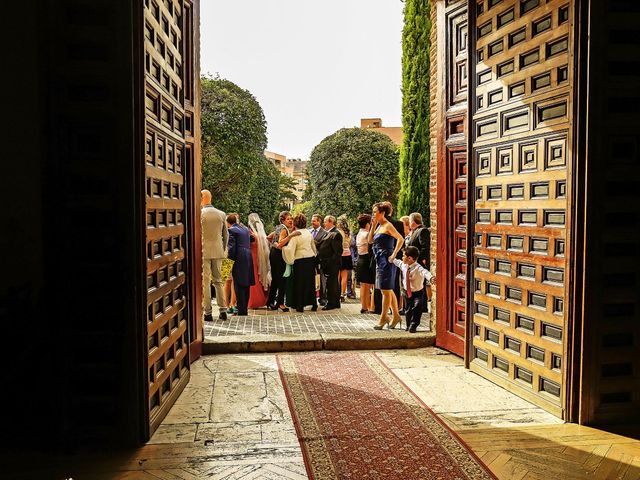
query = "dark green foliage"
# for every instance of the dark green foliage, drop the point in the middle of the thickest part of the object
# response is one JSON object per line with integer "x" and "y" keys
{"x": 351, "y": 170}
{"x": 415, "y": 154}
{"x": 234, "y": 136}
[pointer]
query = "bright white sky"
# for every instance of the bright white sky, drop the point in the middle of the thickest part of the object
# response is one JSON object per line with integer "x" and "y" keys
{"x": 314, "y": 66}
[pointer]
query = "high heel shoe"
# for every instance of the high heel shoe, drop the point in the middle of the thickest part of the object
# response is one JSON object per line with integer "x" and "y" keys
{"x": 283, "y": 308}
{"x": 393, "y": 325}
{"x": 380, "y": 327}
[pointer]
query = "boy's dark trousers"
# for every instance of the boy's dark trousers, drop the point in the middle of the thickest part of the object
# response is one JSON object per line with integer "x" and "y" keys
{"x": 414, "y": 307}
{"x": 242, "y": 298}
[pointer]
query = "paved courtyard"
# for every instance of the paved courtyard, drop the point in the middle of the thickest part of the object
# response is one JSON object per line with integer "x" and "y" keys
{"x": 347, "y": 319}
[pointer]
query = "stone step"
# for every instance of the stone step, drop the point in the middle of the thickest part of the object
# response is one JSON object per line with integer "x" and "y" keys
{"x": 264, "y": 343}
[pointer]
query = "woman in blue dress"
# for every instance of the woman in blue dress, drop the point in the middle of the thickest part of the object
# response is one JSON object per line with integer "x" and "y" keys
{"x": 383, "y": 235}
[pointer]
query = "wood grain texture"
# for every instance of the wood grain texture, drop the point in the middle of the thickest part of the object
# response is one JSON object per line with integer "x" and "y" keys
{"x": 569, "y": 451}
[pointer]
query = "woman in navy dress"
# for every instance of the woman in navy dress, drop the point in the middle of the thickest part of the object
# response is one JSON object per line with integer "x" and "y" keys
{"x": 383, "y": 235}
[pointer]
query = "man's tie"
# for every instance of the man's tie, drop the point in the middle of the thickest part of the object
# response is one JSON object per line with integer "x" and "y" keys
{"x": 315, "y": 232}
{"x": 408, "y": 283}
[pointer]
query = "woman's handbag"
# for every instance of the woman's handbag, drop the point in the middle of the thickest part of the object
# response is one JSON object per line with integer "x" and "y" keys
{"x": 287, "y": 271}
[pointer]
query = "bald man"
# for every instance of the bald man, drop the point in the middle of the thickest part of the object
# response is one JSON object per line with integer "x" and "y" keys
{"x": 215, "y": 238}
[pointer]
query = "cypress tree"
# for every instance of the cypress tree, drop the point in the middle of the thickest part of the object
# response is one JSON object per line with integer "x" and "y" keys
{"x": 415, "y": 154}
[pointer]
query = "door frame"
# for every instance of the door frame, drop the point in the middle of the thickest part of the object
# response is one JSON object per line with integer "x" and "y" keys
{"x": 446, "y": 147}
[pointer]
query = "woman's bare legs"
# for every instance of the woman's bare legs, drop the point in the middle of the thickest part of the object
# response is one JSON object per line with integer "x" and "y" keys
{"x": 233, "y": 295}
{"x": 394, "y": 309}
{"x": 344, "y": 274}
{"x": 365, "y": 296}
{"x": 229, "y": 293}
{"x": 386, "y": 301}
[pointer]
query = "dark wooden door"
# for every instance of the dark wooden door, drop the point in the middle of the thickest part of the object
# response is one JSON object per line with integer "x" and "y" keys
{"x": 167, "y": 216}
{"x": 606, "y": 351}
{"x": 452, "y": 180}
{"x": 522, "y": 84}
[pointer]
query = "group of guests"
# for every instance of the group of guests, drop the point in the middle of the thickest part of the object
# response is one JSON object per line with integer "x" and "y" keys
{"x": 320, "y": 260}
{"x": 299, "y": 266}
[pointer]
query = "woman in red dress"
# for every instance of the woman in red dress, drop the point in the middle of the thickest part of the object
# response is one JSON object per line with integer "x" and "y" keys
{"x": 260, "y": 252}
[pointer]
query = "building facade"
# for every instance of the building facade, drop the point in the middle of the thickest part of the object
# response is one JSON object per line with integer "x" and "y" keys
{"x": 296, "y": 170}
{"x": 375, "y": 124}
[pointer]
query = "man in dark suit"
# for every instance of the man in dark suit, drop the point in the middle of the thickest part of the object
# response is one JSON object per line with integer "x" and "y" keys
{"x": 419, "y": 238}
{"x": 242, "y": 271}
{"x": 329, "y": 255}
{"x": 318, "y": 233}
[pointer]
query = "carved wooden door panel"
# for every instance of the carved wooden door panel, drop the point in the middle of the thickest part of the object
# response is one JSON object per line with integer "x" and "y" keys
{"x": 520, "y": 182}
{"x": 452, "y": 181}
{"x": 167, "y": 271}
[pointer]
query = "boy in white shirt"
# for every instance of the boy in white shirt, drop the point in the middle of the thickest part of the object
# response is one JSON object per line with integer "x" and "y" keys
{"x": 413, "y": 277}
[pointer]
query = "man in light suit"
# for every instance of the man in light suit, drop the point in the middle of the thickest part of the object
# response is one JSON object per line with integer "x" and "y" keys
{"x": 242, "y": 271}
{"x": 215, "y": 239}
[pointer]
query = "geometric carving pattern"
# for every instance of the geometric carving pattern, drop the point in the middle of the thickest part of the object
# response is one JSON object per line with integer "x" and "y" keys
{"x": 521, "y": 129}
{"x": 167, "y": 332}
{"x": 453, "y": 159}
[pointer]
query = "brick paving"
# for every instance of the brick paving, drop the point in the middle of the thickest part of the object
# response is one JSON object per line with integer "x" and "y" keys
{"x": 347, "y": 319}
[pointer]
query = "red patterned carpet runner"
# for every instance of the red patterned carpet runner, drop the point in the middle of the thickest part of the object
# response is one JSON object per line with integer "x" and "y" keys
{"x": 356, "y": 420}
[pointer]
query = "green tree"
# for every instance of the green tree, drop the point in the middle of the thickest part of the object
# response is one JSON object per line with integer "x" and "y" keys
{"x": 234, "y": 136}
{"x": 287, "y": 188}
{"x": 351, "y": 170}
{"x": 415, "y": 153}
{"x": 307, "y": 195}
{"x": 306, "y": 208}
{"x": 264, "y": 192}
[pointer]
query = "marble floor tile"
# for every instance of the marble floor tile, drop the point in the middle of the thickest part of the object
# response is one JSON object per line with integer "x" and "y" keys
{"x": 188, "y": 413}
{"x": 247, "y": 363}
{"x": 174, "y": 433}
{"x": 216, "y": 433}
{"x": 195, "y": 395}
{"x": 201, "y": 380}
{"x": 279, "y": 432}
{"x": 275, "y": 391}
{"x": 242, "y": 397}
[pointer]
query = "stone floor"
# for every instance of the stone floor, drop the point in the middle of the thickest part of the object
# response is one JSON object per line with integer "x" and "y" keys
{"x": 347, "y": 319}
{"x": 232, "y": 422}
{"x": 235, "y": 405}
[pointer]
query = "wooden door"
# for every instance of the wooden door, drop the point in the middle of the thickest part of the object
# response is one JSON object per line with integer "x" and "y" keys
{"x": 452, "y": 179}
{"x": 606, "y": 381}
{"x": 193, "y": 179}
{"x": 520, "y": 180}
{"x": 166, "y": 216}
